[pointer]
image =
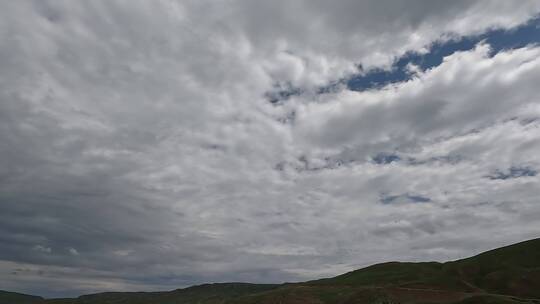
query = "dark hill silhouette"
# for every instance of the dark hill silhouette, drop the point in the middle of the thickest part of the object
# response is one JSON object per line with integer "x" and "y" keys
{"x": 509, "y": 274}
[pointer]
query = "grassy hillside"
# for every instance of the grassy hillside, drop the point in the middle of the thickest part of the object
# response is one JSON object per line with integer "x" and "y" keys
{"x": 507, "y": 275}
{"x": 512, "y": 270}
{"x": 7, "y": 297}
{"x": 201, "y": 294}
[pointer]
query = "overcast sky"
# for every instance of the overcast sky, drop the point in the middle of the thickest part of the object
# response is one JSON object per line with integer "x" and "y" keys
{"x": 152, "y": 145}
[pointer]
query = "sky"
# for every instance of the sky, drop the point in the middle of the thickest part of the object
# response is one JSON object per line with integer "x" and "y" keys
{"x": 153, "y": 145}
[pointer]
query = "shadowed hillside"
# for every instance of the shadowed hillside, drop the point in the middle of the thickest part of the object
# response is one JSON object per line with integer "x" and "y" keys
{"x": 506, "y": 275}
{"x": 201, "y": 294}
{"x": 18, "y": 298}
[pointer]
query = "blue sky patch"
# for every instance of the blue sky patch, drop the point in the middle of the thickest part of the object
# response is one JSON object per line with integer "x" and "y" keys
{"x": 499, "y": 40}
{"x": 282, "y": 94}
{"x": 406, "y": 197}
{"x": 513, "y": 172}
{"x": 385, "y": 158}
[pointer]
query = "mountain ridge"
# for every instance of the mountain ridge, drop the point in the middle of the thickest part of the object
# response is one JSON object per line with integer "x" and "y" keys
{"x": 509, "y": 274}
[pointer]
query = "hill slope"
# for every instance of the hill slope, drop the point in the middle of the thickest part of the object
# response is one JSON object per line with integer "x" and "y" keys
{"x": 512, "y": 270}
{"x": 201, "y": 294}
{"x": 505, "y": 275}
{"x": 17, "y": 298}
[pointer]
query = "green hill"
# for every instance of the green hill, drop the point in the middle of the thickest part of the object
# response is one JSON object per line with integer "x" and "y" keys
{"x": 505, "y": 275}
{"x": 512, "y": 270}
{"x": 18, "y": 298}
{"x": 201, "y": 294}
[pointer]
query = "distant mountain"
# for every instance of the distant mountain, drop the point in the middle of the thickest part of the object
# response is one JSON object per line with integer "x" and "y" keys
{"x": 502, "y": 276}
{"x": 201, "y": 294}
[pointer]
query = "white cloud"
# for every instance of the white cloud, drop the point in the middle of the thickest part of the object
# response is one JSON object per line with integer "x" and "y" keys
{"x": 41, "y": 248}
{"x": 144, "y": 125}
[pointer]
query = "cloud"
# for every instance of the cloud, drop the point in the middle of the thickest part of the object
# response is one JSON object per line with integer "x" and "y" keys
{"x": 513, "y": 172}
{"x": 41, "y": 248}
{"x": 138, "y": 137}
{"x": 407, "y": 198}
{"x": 439, "y": 103}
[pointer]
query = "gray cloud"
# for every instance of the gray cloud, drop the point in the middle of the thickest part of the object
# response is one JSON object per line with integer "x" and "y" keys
{"x": 139, "y": 151}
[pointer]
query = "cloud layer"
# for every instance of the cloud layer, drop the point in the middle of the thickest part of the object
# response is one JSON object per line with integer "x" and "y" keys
{"x": 139, "y": 149}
